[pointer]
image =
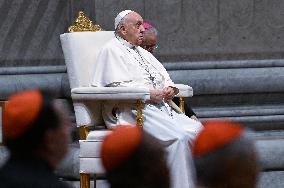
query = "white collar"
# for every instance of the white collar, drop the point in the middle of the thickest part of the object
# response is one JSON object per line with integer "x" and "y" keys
{"x": 125, "y": 43}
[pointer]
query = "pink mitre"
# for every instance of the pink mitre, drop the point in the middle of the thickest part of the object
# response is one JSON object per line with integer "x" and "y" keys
{"x": 147, "y": 26}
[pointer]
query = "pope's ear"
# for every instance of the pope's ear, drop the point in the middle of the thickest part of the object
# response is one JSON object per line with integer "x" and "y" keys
{"x": 122, "y": 29}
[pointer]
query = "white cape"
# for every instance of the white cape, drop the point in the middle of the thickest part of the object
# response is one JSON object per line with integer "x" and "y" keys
{"x": 118, "y": 65}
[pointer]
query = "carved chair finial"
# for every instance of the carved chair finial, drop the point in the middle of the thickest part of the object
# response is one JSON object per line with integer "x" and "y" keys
{"x": 83, "y": 23}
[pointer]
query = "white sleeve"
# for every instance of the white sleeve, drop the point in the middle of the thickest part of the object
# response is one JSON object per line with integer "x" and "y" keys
{"x": 110, "y": 68}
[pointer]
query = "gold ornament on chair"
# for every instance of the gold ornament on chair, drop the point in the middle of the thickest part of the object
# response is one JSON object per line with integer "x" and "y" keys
{"x": 83, "y": 23}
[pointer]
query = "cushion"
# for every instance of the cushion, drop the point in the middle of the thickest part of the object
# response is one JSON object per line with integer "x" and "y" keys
{"x": 114, "y": 93}
{"x": 91, "y": 166}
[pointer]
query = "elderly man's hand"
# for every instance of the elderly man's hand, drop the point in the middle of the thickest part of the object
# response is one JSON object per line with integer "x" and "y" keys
{"x": 156, "y": 95}
{"x": 169, "y": 93}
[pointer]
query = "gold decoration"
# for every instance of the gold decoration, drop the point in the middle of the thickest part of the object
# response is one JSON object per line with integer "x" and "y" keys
{"x": 83, "y": 23}
{"x": 83, "y": 132}
{"x": 85, "y": 180}
{"x": 139, "y": 113}
{"x": 181, "y": 104}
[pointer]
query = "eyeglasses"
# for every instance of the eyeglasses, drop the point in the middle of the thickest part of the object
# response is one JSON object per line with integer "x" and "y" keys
{"x": 150, "y": 47}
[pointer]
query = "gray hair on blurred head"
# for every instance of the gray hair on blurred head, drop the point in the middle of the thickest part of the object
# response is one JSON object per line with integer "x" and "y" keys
{"x": 151, "y": 30}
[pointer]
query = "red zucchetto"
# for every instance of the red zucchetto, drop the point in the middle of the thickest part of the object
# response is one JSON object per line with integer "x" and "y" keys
{"x": 214, "y": 135}
{"x": 20, "y": 111}
{"x": 118, "y": 146}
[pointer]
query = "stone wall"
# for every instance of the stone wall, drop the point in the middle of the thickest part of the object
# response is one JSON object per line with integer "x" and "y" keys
{"x": 188, "y": 30}
{"x": 208, "y": 29}
{"x": 29, "y": 32}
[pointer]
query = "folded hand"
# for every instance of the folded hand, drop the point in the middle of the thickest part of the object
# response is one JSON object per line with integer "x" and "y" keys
{"x": 156, "y": 95}
{"x": 169, "y": 93}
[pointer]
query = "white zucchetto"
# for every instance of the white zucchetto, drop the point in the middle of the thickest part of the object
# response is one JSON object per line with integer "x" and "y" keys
{"x": 120, "y": 16}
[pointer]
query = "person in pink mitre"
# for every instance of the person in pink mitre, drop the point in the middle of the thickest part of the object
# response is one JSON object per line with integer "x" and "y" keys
{"x": 123, "y": 63}
{"x": 149, "y": 43}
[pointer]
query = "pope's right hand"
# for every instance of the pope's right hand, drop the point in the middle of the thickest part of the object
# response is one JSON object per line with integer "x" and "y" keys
{"x": 156, "y": 95}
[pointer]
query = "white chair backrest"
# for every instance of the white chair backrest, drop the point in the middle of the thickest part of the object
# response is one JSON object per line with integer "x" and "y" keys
{"x": 80, "y": 52}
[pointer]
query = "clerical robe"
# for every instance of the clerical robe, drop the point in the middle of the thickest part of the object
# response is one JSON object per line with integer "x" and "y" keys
{"x": 121, "y": 64}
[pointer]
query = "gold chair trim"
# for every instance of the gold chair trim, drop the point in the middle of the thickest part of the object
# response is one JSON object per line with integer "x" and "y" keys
{"x": 139, "y": 117}
{"x": 83, "y": 23}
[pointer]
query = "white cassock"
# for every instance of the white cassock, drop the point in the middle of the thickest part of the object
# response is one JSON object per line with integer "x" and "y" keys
{"x": 121, "y": 64}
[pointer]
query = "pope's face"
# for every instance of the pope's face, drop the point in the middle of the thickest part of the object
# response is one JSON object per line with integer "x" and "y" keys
{"x": 134, "y": 29}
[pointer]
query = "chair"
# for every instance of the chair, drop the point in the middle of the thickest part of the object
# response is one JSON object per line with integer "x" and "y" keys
{"x": 80, "y": 51}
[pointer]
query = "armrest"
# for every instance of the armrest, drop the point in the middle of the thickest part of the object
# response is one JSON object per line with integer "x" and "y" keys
{"x": 184, "y": 90}
{"x": 110, "y": 93}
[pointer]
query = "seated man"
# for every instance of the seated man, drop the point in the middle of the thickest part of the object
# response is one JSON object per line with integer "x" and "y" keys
{"x": 225, "y": 156}
{"x": 122, "y": 62}
{"x": 133, "y": 158}
{"x": 150, "y": 44}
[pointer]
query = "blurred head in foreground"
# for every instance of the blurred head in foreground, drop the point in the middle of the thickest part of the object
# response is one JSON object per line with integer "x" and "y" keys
{"x": 224, "y": 156}
{"x": 36, "y": 126}
{"x": 133, "y": 158}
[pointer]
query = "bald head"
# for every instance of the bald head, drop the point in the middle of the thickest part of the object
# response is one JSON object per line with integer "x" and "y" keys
{"x": 130, "y": 28}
